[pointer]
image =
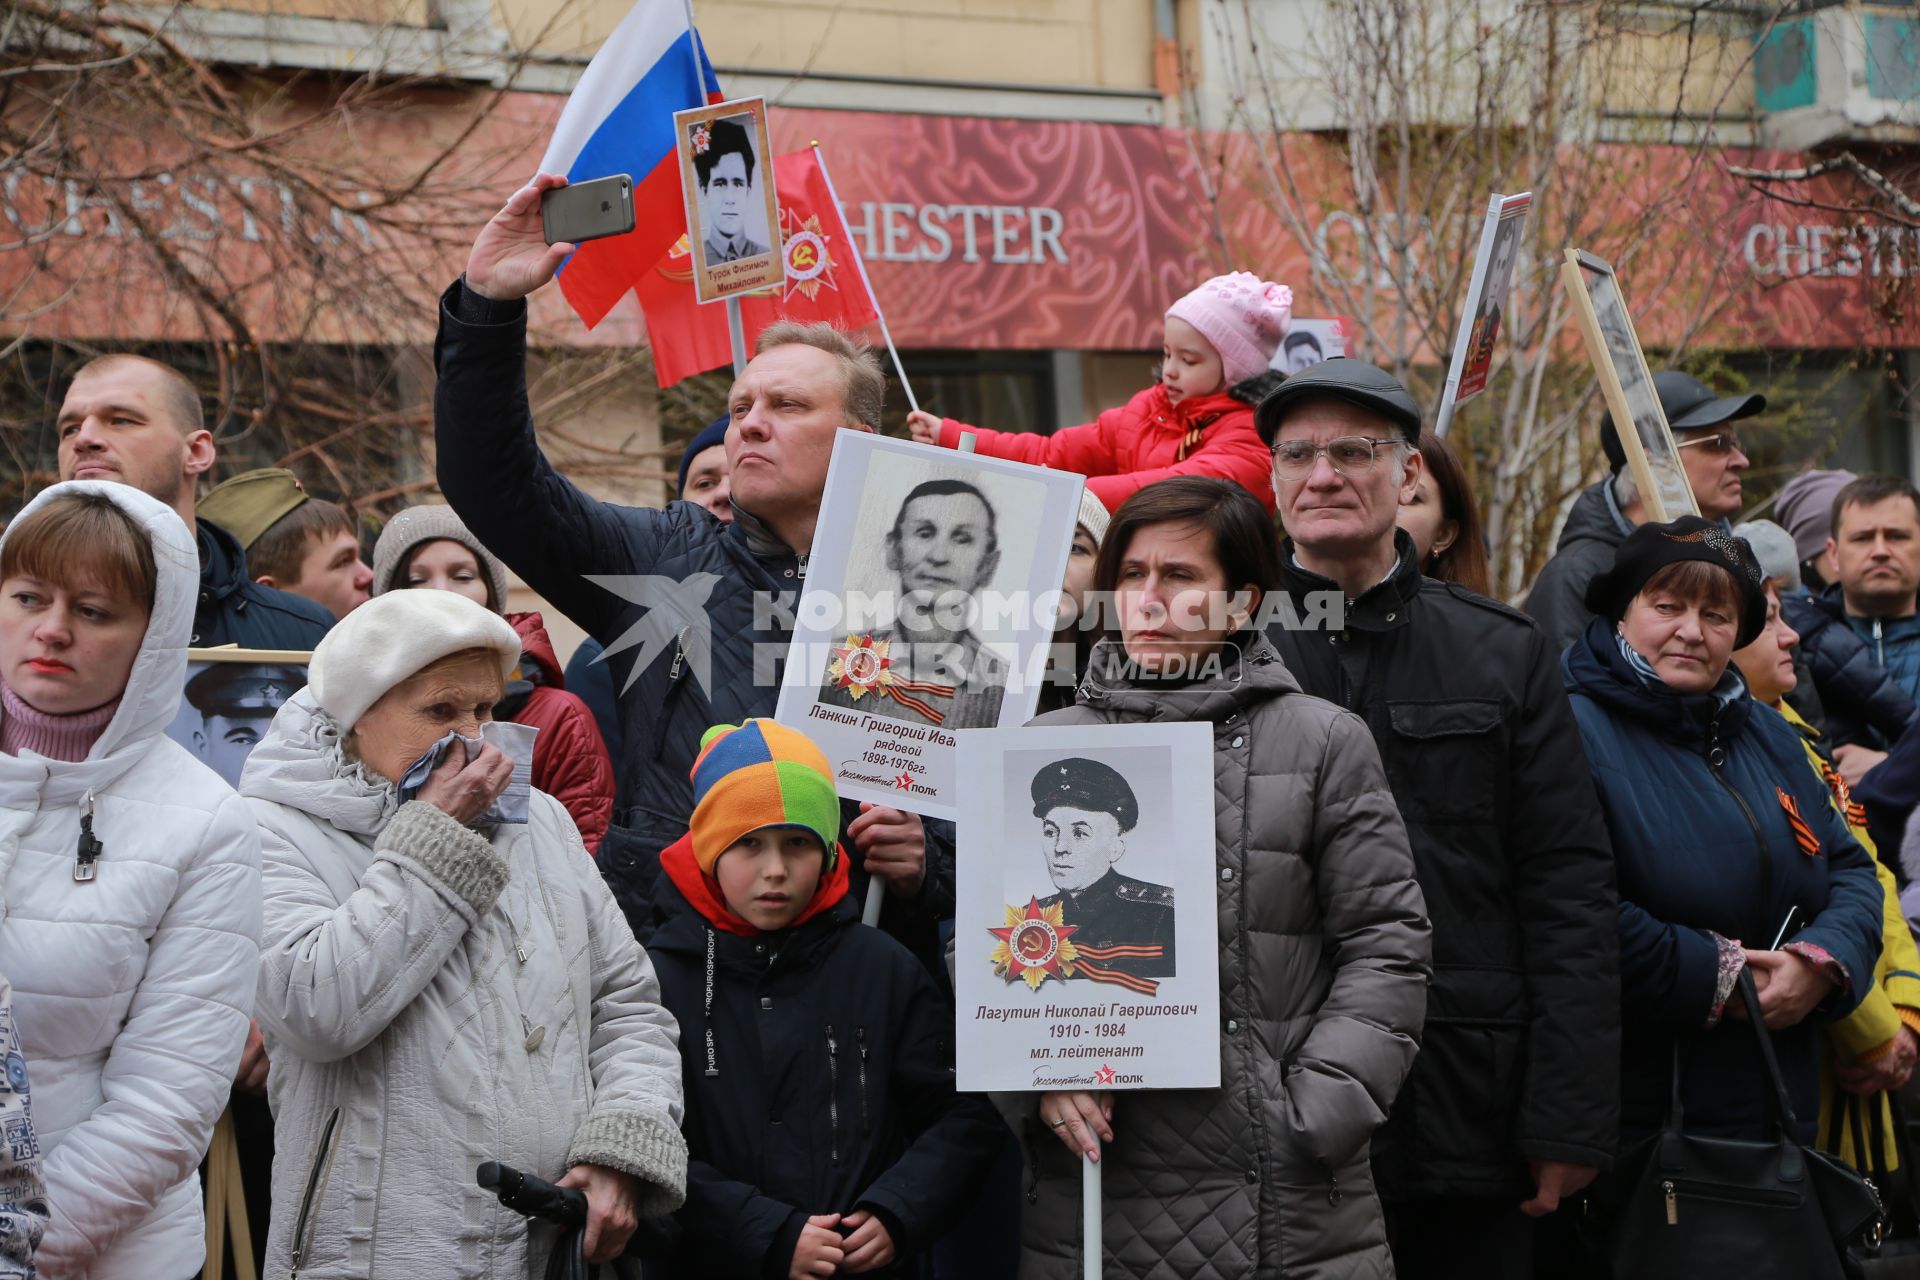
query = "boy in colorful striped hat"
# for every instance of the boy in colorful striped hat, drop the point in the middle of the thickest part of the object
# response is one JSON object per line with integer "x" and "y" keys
{"x": 822, "y": 1125}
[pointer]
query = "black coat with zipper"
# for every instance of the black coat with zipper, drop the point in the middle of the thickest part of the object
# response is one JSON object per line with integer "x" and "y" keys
{"x": 818, "y": 1080}
{"x": 1521, "y": 1052}
{"x": 724, "y": 579}
{"x": 234, "y": 609}
{"x": 1860, "y": 703}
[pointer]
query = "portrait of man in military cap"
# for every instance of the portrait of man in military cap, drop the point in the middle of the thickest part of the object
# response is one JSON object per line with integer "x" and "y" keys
{"x": 1086, "y": 810}
{"x": 227, "y": 707}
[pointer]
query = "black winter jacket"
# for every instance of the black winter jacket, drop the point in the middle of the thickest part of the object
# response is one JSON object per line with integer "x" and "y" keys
{"x": 1594, "y": 529}
{"x": 234, "y": 609}
{"x": 725, "y": 575}
{"x": 1859, "y": 702}
{"x": 1520, "y": 1057}
{"x": 819, "y": 1079}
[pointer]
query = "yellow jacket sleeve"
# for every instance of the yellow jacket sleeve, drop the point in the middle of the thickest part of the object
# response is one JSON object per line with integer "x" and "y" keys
{"x": 1876, "y": 1021}
{"x": 1897, "y": 975}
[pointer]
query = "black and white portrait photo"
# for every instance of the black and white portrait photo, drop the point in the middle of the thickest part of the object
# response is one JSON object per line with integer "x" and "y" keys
{"x": 1307, "y": 343}
{"x": 733, "y": 210}
{"x": 1302, "y": 350}
{"x": 1087, "y": 893}
{"x": 927, "y": 609}
{"x": 733, "y": 219}
{"x": 1506, "y": 252}
{"x": 1087, "y": 812}
{"x": 228, "y": 703}
{"x": 943, "y": 548}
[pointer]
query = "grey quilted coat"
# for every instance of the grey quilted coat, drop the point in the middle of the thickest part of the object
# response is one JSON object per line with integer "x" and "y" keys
{"x": 1324, "y": 953}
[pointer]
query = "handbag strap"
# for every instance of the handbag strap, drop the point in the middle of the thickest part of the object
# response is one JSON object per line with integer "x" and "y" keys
{"x": 1676, "y": 1113}
{"x": 1783, "y": 1117}
{"x": 1863, "y": 1155}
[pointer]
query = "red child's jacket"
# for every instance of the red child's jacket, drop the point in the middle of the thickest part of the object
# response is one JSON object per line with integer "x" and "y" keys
{"x": 1125, "y": 449}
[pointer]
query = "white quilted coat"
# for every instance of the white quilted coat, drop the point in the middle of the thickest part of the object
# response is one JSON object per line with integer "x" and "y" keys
{"x": 433, "y": 998}
{"x": 132, "y": 992}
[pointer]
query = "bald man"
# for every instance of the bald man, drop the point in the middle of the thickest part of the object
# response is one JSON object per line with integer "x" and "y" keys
{"x": 131, "y": 420}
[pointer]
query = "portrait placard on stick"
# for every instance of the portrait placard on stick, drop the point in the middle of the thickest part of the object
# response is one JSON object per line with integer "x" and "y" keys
{"x": 1627, "y": 386}
{"x": 733, "y": 210}
{"x": 1487, "y": 290}
{"x": 928, "y": 608}
{"x": 1087, "y": 933}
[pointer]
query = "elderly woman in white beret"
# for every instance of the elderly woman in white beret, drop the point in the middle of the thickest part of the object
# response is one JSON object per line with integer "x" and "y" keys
{"x": 444, "y": 980}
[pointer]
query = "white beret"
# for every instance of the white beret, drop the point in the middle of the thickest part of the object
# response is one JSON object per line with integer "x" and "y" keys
{"x": 393, "y": 636}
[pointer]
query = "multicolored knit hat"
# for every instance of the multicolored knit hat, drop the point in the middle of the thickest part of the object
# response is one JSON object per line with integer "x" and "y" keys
{"x": 760, "y": 774}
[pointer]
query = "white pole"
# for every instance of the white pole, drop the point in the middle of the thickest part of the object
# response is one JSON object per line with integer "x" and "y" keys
{"x": 876, "y": 891}
{"x": 867, "y": 284}
{"x": 694, "y": 47}
{"x": 1090, "y": 1242}
{"x": 737, "y": 333}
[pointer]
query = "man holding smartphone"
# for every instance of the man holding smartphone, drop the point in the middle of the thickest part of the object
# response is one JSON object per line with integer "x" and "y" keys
{"x": 806, "y": 384}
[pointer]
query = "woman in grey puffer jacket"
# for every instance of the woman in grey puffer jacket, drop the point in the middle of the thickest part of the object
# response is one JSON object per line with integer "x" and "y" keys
{"x": 1324, "y": 941}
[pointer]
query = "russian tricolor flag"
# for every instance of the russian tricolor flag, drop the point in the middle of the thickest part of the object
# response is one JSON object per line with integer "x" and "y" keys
{"x": 620, "y": 120}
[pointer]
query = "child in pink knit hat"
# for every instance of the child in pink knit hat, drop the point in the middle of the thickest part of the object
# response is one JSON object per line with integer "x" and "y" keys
{"x": 1197, "y": 420}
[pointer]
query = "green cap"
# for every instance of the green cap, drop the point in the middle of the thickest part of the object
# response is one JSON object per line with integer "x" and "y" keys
{"x": 252, "y": 502}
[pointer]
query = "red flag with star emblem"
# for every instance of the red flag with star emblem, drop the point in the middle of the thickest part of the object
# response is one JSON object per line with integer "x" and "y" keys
{"x": 823, "y": 282}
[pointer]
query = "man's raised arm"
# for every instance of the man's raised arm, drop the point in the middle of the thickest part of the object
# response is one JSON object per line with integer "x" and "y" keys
{"x": 490, "y": 466}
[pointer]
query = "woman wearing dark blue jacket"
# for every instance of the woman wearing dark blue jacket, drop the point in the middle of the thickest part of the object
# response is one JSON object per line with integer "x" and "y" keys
{"x": 1723, "y": 838}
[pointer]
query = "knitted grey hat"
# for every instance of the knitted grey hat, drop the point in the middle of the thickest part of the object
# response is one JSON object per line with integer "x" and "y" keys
{"x": 1805, "y": 508}
{"x": 1773, "y": 547}
{"x": 423, "y": 524}
{"x": 1094, "y": 517}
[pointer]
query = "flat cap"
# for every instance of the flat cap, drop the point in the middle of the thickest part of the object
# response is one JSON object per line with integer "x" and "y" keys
{"x": 1079, "y": 783}
{"x": 1341, "y": 378}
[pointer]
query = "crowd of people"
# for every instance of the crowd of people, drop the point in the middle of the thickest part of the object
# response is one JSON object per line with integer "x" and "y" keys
{"x": 1486, "y": 876}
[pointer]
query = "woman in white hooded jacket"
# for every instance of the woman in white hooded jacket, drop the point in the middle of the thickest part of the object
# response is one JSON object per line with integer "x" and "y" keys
{"x": 131, "y": 881}
{"x": 445, "y": 978}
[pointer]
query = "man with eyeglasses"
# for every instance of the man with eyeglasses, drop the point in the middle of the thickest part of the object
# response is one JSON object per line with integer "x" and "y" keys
{"x": 1512, "y": 1104}
{"x": 1603, "y": 515}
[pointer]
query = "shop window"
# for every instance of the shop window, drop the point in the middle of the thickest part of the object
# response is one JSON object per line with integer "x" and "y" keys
{"x": 1004, "y": 390}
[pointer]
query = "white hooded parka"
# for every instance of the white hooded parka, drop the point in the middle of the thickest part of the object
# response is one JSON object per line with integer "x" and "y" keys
{"x": 132, "y": 990}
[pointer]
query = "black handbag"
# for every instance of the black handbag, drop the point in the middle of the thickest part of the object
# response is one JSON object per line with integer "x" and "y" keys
{"x": 1897, "y": 1257}
{"x": 1696, "y": 1207}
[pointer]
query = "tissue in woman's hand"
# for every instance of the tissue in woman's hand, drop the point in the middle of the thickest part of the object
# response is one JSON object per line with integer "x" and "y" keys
{"x": 515, "y": 742}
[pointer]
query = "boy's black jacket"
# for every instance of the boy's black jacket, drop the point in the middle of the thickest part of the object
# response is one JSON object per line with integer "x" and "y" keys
{"x": 831, "y": 1089}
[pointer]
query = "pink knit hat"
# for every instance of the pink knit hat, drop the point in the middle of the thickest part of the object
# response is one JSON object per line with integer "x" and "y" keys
{"x": 1244, "y": 318}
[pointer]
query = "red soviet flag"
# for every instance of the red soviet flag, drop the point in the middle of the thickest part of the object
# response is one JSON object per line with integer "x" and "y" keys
{"x": 823, "y": 281}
